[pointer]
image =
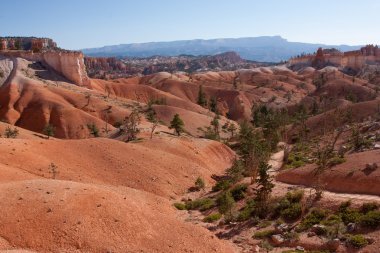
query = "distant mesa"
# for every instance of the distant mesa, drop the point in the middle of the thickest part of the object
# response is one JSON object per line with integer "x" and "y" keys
{"x": 27, "y": 43}
{"x": 70, "y": 64}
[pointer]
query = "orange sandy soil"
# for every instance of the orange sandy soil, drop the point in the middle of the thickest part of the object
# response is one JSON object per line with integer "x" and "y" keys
{"x": 349, "y": 177}
{"x": 107, "y": 196}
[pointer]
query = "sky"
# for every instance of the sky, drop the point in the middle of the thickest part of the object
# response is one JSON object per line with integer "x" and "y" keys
{"x": 77, "y": 24}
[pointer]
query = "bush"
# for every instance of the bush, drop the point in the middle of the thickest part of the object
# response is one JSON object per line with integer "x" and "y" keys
{"x": 247, "y": 211}
{"x": 348, "y": 215}
{"x": 358, "y": 241}
{"x": 11, "y": 133}
{"x": 295, "y": 196}
{"x": 293, "y": 212}
{"x": 289, "y": 207}
{"x": 314, "y": 217}
{"x": 200, "y": 184}
{"x": 201, "y": 204}
{"x": 332, "y": 220}
{"x": 367, "y": 207}
{"x": 264, "y": 234}
{"x": 336, "y": 160}
{"x": 180, "y": 206}
{"x": 212, "y": 217}
{"x": 238, "y": 192}
{"x": 236, "y": 171}
{"x": 296, "y": 160}
{"x": 225, "y": 202}
{"x": 221, "y": 185}
{"x": 370, "y": 219}
{"x": 264, "y": 224}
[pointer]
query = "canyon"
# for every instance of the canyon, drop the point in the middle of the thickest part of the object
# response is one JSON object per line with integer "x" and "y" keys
{"x": 91, "y": 161}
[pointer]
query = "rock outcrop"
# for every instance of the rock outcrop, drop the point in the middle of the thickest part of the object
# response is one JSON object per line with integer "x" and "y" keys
{"x": 69, "y": 64}
{"x": 355, "y": 60}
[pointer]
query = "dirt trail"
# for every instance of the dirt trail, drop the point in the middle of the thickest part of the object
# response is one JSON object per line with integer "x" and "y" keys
{"x": 276, "y": 161}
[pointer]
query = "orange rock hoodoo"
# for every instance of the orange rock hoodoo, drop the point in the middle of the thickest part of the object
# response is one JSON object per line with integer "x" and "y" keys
{"x": 369, "y": 54}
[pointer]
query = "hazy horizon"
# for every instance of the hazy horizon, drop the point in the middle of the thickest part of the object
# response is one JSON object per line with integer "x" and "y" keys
{"x": 88, "y": 24}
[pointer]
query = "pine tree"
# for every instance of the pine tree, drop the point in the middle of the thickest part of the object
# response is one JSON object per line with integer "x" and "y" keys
{"x": 177, "y": 124}
{"x": 213, "y": 105}
{"x": 202, "y": 101}
{"x": 264, "y": 189}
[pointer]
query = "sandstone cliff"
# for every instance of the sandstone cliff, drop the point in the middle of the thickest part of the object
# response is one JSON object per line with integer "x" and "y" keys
{"x": 69, "y": 64}
{"x": 355, "y": 60}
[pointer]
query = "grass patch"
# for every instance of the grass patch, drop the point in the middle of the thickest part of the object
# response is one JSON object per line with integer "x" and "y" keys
{"x": 180, "y": 206}
{"x": 358, "y": 241}
{"x": 264, "y": 234}
{"x": 200, "y": 204}
{"x": 212, "y": 217}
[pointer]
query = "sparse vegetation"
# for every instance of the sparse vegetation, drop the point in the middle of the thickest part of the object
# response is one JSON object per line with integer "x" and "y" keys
{"x": 264, "y": 234}
{"x": 53, "y": 169}
{"x": 11, "y": 133}
{"x": 177, "y": 124}
{"x": 212, "y": 217}
{"x": 48, "y": 130}
{"x": 131, "y": 125}
{"x": 200, "y": 184}
{"x": 93, "y": 129}
{"x": 202, "y": 101}
{"x": 358, "y": 241}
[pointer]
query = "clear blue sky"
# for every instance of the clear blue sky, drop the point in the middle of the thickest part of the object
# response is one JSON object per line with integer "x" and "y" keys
{"x": 76, "y": 24}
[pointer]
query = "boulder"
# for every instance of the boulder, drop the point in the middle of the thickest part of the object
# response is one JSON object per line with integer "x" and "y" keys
{"x": 351, "y": 227}
{"x": 277, "y": 239}
{"x": 281, "y": 228}
{"x": 299, "y": 248}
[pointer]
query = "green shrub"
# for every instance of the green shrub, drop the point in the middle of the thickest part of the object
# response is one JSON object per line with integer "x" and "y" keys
{"x": 212, "y": 217}
{"x": 358, "y": 241}
{"x": 201, "y": 204}
{"x": 296, "y": 160}
{"x": 332, "y": 220}
{"x": 367, "y": 207}
{"x": 370, "y": 219}
{"x": 236, "y": 171}
{"x": 336, "y": 160}
{"x": 238, "y": 192}
{"x": 264, "y": 224}
{"x": 225, "y": 202}
{"x": 295, "y": 196}
{"x": 264, "y": 234}
{"x": 180, "y": 206}
{"x": 221, "y": 185}
{"x": 247, "y": 211}
{"x": 289, "y": 207}
{"x": 293, "y": 212}
{"x": 314, "y": 217}
{"x": 200, "y": 183}
{"x": 349, "y": 215}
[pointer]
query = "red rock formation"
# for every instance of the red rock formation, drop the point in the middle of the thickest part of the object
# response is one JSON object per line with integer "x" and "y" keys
{"x": 3, "y": 44}
{"x": 319, "y": 59}
{"x": 355, "y": 60}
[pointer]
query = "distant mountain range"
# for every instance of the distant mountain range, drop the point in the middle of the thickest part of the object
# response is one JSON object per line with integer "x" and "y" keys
{"x": 262, "y": 49}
